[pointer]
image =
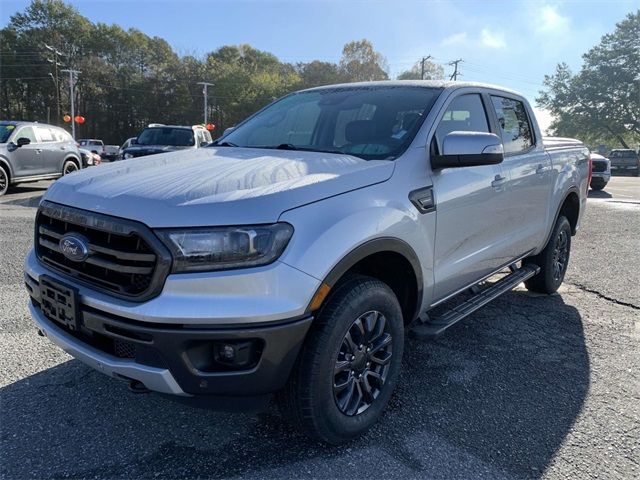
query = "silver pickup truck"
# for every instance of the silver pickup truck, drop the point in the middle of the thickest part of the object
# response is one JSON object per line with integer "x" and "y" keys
{"x": 294, "y": 255}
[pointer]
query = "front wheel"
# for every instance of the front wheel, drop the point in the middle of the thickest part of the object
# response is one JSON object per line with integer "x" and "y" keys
{"x": 350, "y": 362}
{"x": 69, "y": 167}
{"x": 4, "y": 181}
{"x": 553, "y": 260}
{"x": 597, "y": 187}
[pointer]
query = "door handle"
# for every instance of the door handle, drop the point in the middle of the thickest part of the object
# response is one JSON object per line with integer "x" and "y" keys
{"x": 38, "y": 151}
{"x": 541, "y": 169}
{"x": 498, "y": 181}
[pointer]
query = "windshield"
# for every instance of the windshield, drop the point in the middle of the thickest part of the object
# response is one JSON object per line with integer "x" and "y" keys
{"x": 623, "y": 154}
{"x": 6, "y": 129}
{"x": 370, "y": 122}
{"x": 177, "y": 137}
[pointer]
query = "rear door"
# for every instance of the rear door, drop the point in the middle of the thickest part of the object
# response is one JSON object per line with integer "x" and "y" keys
{"x": 51, "y": 153}
{"x": 528, "y": 167}
{"x": 27, "y": 160}
{"x": 470, "y": 233}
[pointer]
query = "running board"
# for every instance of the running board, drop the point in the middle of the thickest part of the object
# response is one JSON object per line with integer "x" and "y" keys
{"x": 437, "y": 325}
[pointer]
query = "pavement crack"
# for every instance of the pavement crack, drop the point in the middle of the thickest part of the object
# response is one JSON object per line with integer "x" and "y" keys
{"x": 584, "y": 288}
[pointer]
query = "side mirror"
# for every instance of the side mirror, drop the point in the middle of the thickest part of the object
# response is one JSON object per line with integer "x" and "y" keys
{"x": 469, "y": 149}
{"x": 22, "y": 141}
{"x": 228, "y": 130}
{"x": 204, "y": 144}
{"x": 133, "y": 141}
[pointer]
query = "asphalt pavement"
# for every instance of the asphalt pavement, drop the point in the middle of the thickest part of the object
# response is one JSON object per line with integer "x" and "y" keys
{"x": 529, "y": 386}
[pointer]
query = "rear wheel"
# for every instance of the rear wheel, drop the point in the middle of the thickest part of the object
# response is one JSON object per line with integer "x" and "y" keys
{"x": 350, "y": 362}
{"x": 69, "y": 167}
{"x": 553, "y": 260}
{"x": 4, "y": 181}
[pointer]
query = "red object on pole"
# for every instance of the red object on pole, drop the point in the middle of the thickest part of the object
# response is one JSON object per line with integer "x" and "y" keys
{"x": 66, "y": 118}
{"x": 79, "y": 119}
{"x": 210, "y": 127}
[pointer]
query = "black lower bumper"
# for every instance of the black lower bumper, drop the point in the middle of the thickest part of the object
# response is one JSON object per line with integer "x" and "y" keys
{"x": 245, "y": 360}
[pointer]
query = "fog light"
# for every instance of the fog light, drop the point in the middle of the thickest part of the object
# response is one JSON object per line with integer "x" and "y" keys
{"x": 235, "y": 354}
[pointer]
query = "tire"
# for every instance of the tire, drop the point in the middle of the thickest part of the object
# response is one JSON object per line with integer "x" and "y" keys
{"x": 597, "y": 187}
{"x": 553, "y": 260}
{"x": 316, "y": 398}
{"x": 69, "y": 167}
{"x": 4, "y": 181}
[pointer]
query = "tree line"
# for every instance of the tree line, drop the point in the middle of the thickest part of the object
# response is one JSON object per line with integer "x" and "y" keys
{"x": 129, "y": 79}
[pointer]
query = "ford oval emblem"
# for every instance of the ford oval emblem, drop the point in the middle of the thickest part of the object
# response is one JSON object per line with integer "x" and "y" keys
{"x": 75, "y": 247}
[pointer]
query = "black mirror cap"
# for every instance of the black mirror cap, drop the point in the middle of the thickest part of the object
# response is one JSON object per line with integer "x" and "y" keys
{"x": 22, "y": 141}
{"x": 472, "y": 160}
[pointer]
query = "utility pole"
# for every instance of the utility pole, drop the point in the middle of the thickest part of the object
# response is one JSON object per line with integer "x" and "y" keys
{"x": 72, "y": 80}
{"x": 54, "y": 76}
{"x": 455, "y": 74}
{"x": 204, "y": 92}
{"x": 424, "y": 59}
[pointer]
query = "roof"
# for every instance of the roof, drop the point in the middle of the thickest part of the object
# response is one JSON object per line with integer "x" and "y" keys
{"x": 158, "y": 125}
{"x": 446, "y": 84}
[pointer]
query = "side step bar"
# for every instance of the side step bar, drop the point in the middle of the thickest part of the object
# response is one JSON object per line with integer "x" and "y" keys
{"x": 437, "y": 325}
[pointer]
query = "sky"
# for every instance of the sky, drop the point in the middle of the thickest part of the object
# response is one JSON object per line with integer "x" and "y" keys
{"x": 513, "y": 43}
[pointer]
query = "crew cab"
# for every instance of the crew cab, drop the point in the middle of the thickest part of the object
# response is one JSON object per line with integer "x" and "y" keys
{"x": 295, "y": 254}
{"x": 625, "y": 160}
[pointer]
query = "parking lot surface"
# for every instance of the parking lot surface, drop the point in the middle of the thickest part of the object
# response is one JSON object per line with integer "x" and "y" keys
{"x": 529, "y": 386}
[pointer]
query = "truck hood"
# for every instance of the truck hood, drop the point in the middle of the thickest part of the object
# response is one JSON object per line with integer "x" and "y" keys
{"x": 215, "y": 186}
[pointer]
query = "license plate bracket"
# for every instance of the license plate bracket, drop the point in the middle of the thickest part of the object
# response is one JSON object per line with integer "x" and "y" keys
{"x": 59, "y": 302}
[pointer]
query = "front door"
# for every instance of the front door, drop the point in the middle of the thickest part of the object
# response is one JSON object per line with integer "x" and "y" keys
{"x": 470, "y": 204}
{"x": 28, "y": 159}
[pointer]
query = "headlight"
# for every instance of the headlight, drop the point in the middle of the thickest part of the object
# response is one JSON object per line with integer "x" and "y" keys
{"x": 128, "y": 155}
{"x": 223, "y": 248}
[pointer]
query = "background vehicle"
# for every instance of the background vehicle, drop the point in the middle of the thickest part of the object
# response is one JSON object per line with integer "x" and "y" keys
{"x": 624, "y": 161}
{"x": 111, "y": 152}
{"x": 291, "y": 255}
{"x": 92, "y": 144}
{"x": 127, "y": 143}
{"x": 30, "y": 152}
{"x": 89, "y": 159}
{"x": 157, "y": 138}
{"x": 601, "y": 171}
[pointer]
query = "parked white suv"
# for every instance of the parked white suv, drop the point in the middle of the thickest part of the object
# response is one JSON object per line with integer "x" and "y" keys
{"x": 293, "y": 255}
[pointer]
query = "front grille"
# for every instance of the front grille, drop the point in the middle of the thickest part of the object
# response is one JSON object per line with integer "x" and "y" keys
{"x": 124, "y": 259}
{"x": 599, "y": 167}
{"x": 124, "y": 349}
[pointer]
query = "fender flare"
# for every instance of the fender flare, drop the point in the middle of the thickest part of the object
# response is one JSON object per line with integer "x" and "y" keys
{"x": 572, "y": 189}
{"x": 370, "y": 247}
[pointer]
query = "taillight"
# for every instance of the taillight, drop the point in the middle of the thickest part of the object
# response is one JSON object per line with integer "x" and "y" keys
{"x": 590, "y": 173}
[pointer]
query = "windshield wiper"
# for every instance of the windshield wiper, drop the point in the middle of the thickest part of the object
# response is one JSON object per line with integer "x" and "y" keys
{"x": 223, "y": 144}
{"x": 291, "y": 146}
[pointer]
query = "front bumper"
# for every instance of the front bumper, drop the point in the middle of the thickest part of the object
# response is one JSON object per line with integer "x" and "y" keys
{"x": 174, "y": 357}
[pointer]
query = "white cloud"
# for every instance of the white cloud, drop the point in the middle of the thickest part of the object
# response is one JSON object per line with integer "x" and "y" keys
{"x": 455, "y": 39}
{"x": 549, "y": 21}
{"x": 492, "y": 39}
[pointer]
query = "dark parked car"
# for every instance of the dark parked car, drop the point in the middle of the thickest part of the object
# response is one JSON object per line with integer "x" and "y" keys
{"x": 30, "y": 152}
{"x": 625, "y": 160}
{"x": 157, "y": 138}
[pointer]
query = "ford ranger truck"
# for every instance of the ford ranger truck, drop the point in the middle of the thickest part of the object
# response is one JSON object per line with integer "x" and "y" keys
{"x": 293, "y": 256}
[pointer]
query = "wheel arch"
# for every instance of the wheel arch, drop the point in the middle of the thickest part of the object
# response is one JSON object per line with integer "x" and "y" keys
{"x": 570, "y": 205}
{"x": 7, "y": 166}
{"x": 386, "y": 259}
{"x": 72, "y": 157}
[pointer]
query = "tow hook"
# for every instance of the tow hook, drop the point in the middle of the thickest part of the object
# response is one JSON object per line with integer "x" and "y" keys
{"x": 136, "y": 386}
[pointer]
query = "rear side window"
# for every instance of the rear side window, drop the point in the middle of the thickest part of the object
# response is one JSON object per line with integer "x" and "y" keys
{"x": 465, "y": 114}
{"x": 45, "y": 134}
{"x": 517, "y": 135}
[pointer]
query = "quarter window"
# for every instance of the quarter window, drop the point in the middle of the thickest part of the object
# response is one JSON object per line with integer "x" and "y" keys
{"x": 515, "y": 128}
{"x": 465, "y": 114}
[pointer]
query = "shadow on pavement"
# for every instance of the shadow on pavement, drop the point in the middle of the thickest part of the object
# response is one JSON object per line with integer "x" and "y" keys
{"x": 599, "y": 194}
{"x": 500, "y": 391}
